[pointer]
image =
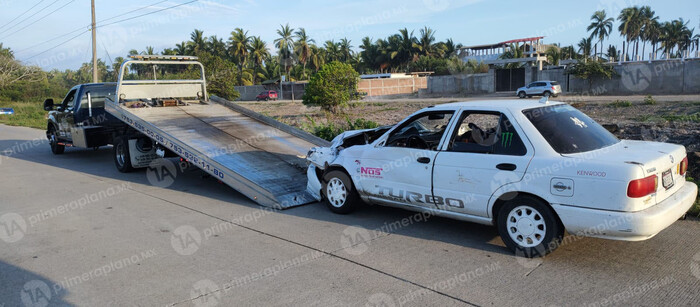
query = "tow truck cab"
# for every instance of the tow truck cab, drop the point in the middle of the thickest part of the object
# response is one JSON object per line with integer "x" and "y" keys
{"x": 80, "y": 119}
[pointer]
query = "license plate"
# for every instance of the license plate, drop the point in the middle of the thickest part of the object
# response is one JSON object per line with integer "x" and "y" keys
{"x": 667, "y": 179}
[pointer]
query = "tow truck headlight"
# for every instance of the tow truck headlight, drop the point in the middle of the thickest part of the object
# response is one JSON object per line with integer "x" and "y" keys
{"x": 642, "y": 187}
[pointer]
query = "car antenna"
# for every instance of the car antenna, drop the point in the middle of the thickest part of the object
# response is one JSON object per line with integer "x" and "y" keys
{"x": 544, "y": 100}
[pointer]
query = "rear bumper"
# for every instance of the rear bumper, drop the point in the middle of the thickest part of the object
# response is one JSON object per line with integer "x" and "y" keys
{"x": 628, "y": 226}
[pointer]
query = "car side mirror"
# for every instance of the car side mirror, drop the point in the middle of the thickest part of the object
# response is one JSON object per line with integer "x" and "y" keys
{"x": 48, "y": 104}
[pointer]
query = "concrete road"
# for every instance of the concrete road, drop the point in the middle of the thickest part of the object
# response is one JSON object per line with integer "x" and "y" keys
{"x": 74, "y": 231}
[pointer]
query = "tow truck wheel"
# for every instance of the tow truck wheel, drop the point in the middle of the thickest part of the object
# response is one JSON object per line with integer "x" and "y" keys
{"x": 339, "y": 194}
{"x": 122, "y": 159}
{"x": 529, "y": 227}
{"x": 56, "y": 149}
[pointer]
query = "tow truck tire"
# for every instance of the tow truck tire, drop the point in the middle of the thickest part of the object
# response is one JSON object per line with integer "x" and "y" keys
{"x": 339, "y": 194}
{"x": 56, "y": 149}
{"x": 122, "y": 158}
{"x": 529, "y": 227}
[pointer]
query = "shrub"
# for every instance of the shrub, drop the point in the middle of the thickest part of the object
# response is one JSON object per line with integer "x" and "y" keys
{"x": 332, "y": 87}
{"x": 621, "y": 104}
{"x": 330, "y": 130}
{"x": 648, "y": 100}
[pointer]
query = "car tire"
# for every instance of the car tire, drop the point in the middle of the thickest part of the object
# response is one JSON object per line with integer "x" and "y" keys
{"x": 339, "y": 194}
{"x": 547, "y": 94}
{"x": 122, "y": 157}
{"x": 529, "y": 227}
{"x": 267, "y": 99}
{"x": 56, "y": 149}
{"x": 521, "y": 95}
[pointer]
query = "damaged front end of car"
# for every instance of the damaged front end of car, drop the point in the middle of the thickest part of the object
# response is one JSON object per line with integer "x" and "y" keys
{"x": 321, "y": 158}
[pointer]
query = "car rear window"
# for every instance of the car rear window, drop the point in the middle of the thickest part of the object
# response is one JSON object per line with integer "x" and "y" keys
{"x": 555, "y": 83}
{"x": 568, "y": 130}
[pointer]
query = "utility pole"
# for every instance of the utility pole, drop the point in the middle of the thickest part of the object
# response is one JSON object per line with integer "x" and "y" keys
{"x": 94, "y": 46}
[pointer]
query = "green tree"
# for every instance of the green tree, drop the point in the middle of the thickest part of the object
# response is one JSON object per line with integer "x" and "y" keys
{"x": 258, "y": 53}
{"x": 600, "y": 27}
{"x": 302, "y": 48}
{"x": 220, "y": 72}
{"x": 590, "y": 70}
{"x": 332, "y": 87}
{"x": 239, "y": 45}
{"x": 285, "y": 43}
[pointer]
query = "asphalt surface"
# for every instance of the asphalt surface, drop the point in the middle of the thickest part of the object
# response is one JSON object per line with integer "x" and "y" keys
{"x": 74, "y": 231}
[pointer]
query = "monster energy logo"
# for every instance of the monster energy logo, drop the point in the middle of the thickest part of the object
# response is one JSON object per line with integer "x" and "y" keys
{"x": 506, "y": 139}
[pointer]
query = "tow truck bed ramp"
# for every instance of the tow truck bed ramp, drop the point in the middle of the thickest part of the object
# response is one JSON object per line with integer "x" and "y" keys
{"x": 257, "y": 156}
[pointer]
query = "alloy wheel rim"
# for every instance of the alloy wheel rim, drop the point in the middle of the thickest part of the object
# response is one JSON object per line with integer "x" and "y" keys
{"x": 526, "y": 226}
{"x": 336, "y": 192}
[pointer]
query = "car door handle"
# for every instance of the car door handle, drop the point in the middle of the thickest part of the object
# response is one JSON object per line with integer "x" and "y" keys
{"x": 506, "y": 166}
{"x": 423, "y": 160}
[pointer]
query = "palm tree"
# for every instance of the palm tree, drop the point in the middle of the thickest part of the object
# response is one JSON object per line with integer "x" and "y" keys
{"x": 513, "y": 52}
{"x": 553, "y": 55}
{"x": 258, "y": 53}
{"x": 652, "y": 33}
{"x": 584, "y": 47}
{"x": 317, "y": 57}
{"x": 149, "y": 51}
{"x": 612, "y": 53}
{"x": 601, "y": 27}
{"x": 675, "y": 35}
{"x": 450, "y": 48}
{"x": 332, "y": 51}
{"x": 345, "y": 49}
{"x": 239, "y": 43}
{"x": 215, "y": 46}
{"x": 182, "y": 48}
{"x": 302, "y": 48}
{"x": 630, "y": 25}
{"x": 648, "y": 19}
{"x": 403, "y": 47}
{"x": 197, "y": 40}
{"x": 284, "y": 44}
{"x": 425, "y": 41}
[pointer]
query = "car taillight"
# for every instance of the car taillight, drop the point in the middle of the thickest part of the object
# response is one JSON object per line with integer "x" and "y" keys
{"x": 683, "y": 166}
{"x": 552, "y": 86}
{"x": 642, "y": 187}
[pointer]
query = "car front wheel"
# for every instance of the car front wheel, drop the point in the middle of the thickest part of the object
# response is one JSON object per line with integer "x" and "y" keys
{"x": 339, "y": 194}
{"x": 521, "y": 95}
{"x": 529, "y": 227}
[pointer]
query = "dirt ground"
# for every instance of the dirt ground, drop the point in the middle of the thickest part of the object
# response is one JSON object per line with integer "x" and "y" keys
{"x": 672, "y": 118}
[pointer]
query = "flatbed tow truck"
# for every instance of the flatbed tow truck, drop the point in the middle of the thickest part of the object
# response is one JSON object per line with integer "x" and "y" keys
{"x": 257, "y": 156}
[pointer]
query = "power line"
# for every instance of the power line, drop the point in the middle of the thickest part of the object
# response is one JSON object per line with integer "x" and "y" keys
{"x": 40, "y": 19}
{"x": 23, "y": 20}
{"x": 146, "y": 14}
{"x": 59, "y": 45}
{"x": 118, "y": 21}
{"x": 129, "y": 12}
{"x": 83, "y": 27}
{"x": 20, "y": 15}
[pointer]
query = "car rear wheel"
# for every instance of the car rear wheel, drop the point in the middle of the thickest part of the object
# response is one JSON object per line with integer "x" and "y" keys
{"x": 547, "y": 94}
{"x": 521, "y": 95}
{"x": 122, "y": 158}
{"x": 529, "y": 227}
{"x": 56, "y": 149}
{"x": 338, "y": 192}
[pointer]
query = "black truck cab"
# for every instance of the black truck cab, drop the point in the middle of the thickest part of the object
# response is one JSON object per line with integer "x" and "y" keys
{"x": 80, "y": 120}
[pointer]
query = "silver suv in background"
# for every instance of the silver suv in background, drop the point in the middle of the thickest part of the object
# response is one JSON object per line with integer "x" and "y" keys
{"x": 540, "y": 88}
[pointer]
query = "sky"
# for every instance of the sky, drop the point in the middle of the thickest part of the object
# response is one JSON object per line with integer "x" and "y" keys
{"x": 57, "y": 37}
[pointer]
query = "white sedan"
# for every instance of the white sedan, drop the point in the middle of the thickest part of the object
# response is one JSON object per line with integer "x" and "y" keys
{"x": 532, "y": 169}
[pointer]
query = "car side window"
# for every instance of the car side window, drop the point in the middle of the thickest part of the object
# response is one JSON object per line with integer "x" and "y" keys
{"x": 486, "y": 133}
{"x": 69, "y": 101}
{"x": 98, "y": 96}
{"x": 423, "y": 131}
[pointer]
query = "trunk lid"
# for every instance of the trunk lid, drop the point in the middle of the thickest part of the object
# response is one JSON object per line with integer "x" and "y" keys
{"x": 654, "y": 158}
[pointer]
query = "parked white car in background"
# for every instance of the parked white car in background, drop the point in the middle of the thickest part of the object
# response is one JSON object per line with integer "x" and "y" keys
{"x": 533, "y": 169}
{"x": 540, "y": 88}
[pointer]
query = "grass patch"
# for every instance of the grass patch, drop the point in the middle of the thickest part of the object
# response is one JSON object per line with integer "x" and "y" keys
{"x": 621, "y": 104}
{"x": 648, "y": 100}
{"x": 389, "y": 109}
{"x": 330, "y": 130}
{"x": 27, "y": 114}
{"x": 694, "y": 118}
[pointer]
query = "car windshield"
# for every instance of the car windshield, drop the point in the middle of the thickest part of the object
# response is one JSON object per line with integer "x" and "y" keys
{"x": 568, "y": 130}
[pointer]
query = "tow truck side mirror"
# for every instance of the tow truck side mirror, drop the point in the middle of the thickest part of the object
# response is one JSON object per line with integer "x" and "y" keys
{"x": 48, "y": 104}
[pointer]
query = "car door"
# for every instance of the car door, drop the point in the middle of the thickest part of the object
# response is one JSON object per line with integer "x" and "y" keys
{"x": 531, "y": 88}
{"x": 64, "y": 115}
{"x": 484, "y": 151}
{"x": 398, "y": 170}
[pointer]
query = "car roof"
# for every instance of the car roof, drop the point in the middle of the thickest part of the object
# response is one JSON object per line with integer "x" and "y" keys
{"x": 514, "y": 105}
